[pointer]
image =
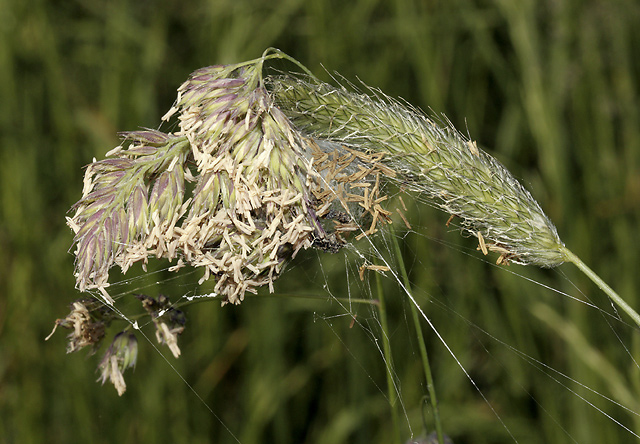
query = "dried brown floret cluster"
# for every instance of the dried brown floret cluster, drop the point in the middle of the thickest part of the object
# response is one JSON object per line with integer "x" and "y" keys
{"x": 89, "y": 319}
{"x": 121, "y": 355}
{"x": 352, "y": 188}
{"x": 168, "y": 320}
{"x": 261, "y": 190}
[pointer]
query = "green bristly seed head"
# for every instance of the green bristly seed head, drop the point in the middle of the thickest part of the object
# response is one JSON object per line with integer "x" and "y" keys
{"x": 434, "y": 160}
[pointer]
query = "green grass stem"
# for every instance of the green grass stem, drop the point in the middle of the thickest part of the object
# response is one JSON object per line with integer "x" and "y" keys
{"x": 571, "y": 257}
{"x": 433, "y": 400}
{"x": 386, "y": 348}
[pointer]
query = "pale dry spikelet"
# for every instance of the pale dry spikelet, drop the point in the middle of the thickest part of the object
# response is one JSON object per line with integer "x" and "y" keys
{"x": 250, "y": 210}
{"x": 168, "y": 320}
{"x": 121, "y": 355}
{"x": 136, "y": 192}
{"x": 435, "y": 160}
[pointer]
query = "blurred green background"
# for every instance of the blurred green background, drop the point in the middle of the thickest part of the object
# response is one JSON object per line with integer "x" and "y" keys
{"x": 549, "y": 87}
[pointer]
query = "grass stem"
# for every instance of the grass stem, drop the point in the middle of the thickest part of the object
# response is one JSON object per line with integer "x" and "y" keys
{"x": 571, "y": 257}
{"x": 423, "y": 348}
{"x": 386, "y": 347}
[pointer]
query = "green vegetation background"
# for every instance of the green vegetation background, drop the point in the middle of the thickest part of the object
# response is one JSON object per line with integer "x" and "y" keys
{"x": 549, "y": 87}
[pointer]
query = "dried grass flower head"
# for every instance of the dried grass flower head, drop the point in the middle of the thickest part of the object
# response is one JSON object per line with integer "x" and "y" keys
{"x": 121, "y": 355}
{"x": 168, "y": 320}
{"x": 88, "y": 321}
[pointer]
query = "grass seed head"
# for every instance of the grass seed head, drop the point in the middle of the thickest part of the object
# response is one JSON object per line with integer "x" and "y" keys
{"x": 121, "y": 355}
{"x": 259, "y": 195}
{"x": 434, "y": 160}
{"x": 282, "y": 166}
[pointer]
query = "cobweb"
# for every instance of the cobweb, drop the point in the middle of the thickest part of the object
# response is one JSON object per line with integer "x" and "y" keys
{"x": 350, "y": 283}
{"x": 503, "y": 341}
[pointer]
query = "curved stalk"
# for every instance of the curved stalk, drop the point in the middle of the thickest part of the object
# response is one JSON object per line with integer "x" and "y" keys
{"x": 571, "y": 257}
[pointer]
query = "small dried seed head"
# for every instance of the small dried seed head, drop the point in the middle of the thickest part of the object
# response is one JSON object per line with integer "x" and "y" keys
{"x": 87, "y": 321}
{"x": 169, "y": 321}
{"x": 121, "y": 355}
